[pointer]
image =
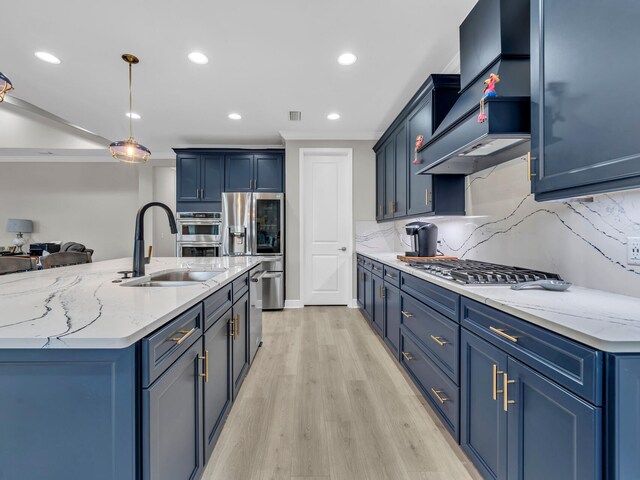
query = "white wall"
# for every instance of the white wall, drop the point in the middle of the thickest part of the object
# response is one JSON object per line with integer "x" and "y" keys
{"x": 586, "y": 243}
{"x": 363, "y": 197}
{"x": 90, "y": 203}
{"x": 164, "y": 190}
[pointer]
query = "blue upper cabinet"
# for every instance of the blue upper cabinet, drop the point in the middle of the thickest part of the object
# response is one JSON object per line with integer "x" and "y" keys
{"x": 188, "y": 178}
{"x": 585, "y": 120}
{"x": 262, "y": 172}
{"x": 268, "y": 173}
{"x": 211, "y": 179}
{"x": 238, "y": 173}
{"x": 400, "y": 192}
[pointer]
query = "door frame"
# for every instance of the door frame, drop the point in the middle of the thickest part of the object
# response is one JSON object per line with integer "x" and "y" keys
{"x": 347, "y": 154}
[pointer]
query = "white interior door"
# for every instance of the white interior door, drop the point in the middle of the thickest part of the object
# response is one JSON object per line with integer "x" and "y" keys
{"x": 326, "y": 195}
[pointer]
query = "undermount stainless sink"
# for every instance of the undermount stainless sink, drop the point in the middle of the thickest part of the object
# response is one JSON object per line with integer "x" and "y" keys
{"x": 176, "y": 278}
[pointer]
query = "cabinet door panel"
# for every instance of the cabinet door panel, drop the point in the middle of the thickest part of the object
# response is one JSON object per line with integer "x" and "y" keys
{"x": 368, "y": 294}
{"x": 217, "y": 389}
{"x": 360, "y": 287}
{"x": 377, "y": 292}
{"x": 240, "y": 343}
{"x": 172, "y": 421}
{"x": 380, "y": 173}
{"x": 212, "y": 179}
{"x": 419, "y": 122}
{"x": 238, "y": 173}
{"x": 401, "y": 171}
{"x": 389, "y": 177}
{"x": 268, "y": 173}
{"x": 483, "y": 434}
{"x": 589, "y": 129}
{"x": 188, "y": 178}
{"x": 392, "y": 317}
{"x": 552, "y": 433}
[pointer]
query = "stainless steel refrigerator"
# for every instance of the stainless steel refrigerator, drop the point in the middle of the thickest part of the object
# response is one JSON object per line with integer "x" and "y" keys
{"x": 253, "y": 224}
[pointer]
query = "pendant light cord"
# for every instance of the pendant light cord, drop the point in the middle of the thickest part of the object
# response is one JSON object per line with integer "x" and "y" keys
{"x": 130, "y": 106}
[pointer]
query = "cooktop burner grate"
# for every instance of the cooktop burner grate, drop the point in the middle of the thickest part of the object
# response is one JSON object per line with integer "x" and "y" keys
{"x": 476, "y": 272}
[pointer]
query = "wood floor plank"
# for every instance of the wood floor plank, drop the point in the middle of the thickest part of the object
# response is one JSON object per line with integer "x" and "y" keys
{"x": 325, "y": 399}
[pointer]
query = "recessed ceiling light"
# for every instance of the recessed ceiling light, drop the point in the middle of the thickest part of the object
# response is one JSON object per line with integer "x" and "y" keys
{"x": 47, "y": 57}
{"x": 133, "y": 115}
{"x": 235, "y": 116}
{"x": 347, "y": 59}
{"x": 333, "y": 116}
{"x": 199, "y": 58}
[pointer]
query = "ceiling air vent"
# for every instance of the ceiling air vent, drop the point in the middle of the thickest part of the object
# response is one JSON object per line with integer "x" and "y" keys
{"x": 295, "y": 116}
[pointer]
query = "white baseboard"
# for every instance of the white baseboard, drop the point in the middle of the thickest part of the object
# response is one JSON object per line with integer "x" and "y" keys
{"x": 293, "y": 304}
{"x": 353, "y": 303}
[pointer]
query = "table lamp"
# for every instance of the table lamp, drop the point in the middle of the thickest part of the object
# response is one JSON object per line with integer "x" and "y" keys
{"x": 19, "y": 226}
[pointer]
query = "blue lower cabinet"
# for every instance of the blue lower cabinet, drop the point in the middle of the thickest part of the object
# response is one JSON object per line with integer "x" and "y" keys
{"x": 483, "y": 421}
{"x": 377, "y": 294}
{"x": 368, "y": 294}
{"x": 172, "y": 439}
{"x": 436, "y": 387}
{"x": 553, "y": 434}
{"x": 360, "y": 287}
{"x": 217, "y": 391}
{"x": 240, "y": 342}
{"x": 392, "y": 317}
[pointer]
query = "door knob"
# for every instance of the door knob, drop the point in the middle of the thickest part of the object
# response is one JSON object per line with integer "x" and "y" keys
{"x": 343, "y": 249}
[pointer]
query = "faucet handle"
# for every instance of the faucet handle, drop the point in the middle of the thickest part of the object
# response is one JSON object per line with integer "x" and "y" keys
{"x": 126, "y": 273}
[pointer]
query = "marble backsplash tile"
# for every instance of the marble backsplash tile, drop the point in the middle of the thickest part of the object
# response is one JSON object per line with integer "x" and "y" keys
{"x": 586, "y": 243}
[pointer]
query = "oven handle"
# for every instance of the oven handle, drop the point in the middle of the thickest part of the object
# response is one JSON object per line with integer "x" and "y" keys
{"x": 272, "y": 275}
{"x": 258, "y": 276}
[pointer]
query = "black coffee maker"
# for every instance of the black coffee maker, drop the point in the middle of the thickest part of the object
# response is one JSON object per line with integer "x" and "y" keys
{"x": 424, "y": 239}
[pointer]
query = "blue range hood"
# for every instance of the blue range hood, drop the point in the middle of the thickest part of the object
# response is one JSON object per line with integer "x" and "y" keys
{"x": 494, "y": 38}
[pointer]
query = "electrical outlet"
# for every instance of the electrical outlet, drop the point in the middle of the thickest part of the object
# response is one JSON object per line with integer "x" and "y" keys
{"x": 633, "y": 251}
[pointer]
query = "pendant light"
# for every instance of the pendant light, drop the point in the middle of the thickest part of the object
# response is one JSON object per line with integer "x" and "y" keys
{"x": 129, "y": 150}
{"x": 5, "y": 86}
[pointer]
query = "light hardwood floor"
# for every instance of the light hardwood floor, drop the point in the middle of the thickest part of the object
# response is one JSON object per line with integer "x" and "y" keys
{"x": 325, "y": 400}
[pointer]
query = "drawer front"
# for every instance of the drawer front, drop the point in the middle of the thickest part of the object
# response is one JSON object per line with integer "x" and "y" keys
{"x": 443, "y": 394}
{"x": 392, "y": 276}
{"x": 368, "y": 263}
{"x": 573, "y": 365}
{"x": 438, "y": 298}
{"x": 216, "y": 305}
{"x": 240, "y": 287}
{"x": 377, "y": 268}
{"x": 438, "y": 336}
{"x": 162, "y": 348}
{"x": 360, "y": 260}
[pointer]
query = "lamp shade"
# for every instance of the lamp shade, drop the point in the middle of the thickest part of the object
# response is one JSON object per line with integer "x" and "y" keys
{"x": 129, "y": 151}
{"x": 18, "y": 225}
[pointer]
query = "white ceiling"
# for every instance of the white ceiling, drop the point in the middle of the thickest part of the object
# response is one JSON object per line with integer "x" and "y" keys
{"x": 266, "y": 57}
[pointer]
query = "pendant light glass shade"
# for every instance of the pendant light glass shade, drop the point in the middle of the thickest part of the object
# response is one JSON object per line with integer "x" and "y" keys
{"x": 5, "y": 86}
{"x": 130, "y": 151}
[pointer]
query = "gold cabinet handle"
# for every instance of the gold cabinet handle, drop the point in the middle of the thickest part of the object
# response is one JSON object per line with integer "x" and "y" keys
{"x": 237, "y": 322}
{"x": 206, "y": 365}
{"x": 437, "y": 393}
{"x": 529, "y": 174}
{"x": 232, "y": 325}
{"x": 381, "y": 291}
{"x": 506, "y": 382}
{"x": 501, "y": 332}
{"x": 407, "y": 356}
{"x": 495, "y": 381}
{"x": 439, "y": 341}
{"x": 186, "y": 334}
{"x": 407, "y": 314}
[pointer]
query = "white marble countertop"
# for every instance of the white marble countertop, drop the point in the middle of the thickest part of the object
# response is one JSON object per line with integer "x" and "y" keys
{"x": 603, "y": 320}
{"x": 80, "y": 306}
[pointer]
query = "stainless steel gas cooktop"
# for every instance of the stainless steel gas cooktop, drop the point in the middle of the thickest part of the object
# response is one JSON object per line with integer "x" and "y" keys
{"x": 476, "y": 272}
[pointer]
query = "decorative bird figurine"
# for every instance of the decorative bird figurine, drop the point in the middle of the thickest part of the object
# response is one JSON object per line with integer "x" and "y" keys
{"x": 489, "y": 91}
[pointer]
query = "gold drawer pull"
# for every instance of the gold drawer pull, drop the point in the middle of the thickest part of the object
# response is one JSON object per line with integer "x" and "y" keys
{"x": 495, "y": 381}
{"x": 186, "y": 334}
{"x": 439, "y": 341}
{"x": 206, "y": 365}
{"x": 382, "y": 295}
{"x": 507, "y": 402}
{"x": 407, "y": 314}
{"x": 232, "y": 325}
{"x": 237, "y": 324}
{"x": 437, "y": 395}
{"x": 407, "y": 356}
{"x": 500, "y": 332}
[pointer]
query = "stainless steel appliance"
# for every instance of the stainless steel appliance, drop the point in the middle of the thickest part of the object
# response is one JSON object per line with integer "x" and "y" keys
{"x": 424, "y": 239}
{"x": 255, "y": 312}
{"x": 199, "y": 234}
{"x": 237, "y": 225}
{"x": 254, "y": 225}
{"x": 476, "y": 272}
